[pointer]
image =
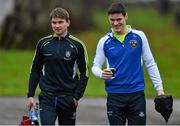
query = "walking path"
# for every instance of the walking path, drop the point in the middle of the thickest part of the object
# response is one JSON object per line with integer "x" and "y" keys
{"x": 91, "y": 111}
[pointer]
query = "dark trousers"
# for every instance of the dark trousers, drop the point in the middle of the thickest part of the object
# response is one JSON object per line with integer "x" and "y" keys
{"x": 53, "y": 107}
{"x": 125, "y": 109}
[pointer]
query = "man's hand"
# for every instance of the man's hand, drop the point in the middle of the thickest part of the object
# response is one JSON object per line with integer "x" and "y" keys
{"x": 107, "y": 74}
{"x": 160, "y": 92}
{"x": 30, "y": 102}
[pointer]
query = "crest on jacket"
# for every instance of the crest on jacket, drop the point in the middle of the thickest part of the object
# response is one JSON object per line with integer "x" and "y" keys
{"x": 133, "y": 43}
{"x": 68, "y": 53}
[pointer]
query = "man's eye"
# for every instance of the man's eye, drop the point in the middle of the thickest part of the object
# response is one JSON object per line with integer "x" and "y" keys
{"x": 118, "y": 20}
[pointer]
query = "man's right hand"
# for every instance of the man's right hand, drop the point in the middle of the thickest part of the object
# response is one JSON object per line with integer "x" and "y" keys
{"x": 107, "y": 74}
{"x": 30, "y": 102}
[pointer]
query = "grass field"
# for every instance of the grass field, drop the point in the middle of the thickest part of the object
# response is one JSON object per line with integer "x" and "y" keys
{"x": 163, "y": 38}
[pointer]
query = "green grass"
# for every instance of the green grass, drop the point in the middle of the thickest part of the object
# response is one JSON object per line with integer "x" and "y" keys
{"x": 14, "y": 70}
{"x": 164, "y": 41}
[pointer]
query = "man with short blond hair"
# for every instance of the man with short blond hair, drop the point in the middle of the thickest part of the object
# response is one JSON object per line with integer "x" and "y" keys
{"x": 60, "y": 67}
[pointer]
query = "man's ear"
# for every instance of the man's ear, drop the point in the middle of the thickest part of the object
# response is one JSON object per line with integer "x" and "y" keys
{"x": 69, "y": 22}
{"x": 126, "y": 16}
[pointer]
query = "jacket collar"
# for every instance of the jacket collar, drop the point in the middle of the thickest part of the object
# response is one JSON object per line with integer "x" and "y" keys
{"x": 110, "y": 32}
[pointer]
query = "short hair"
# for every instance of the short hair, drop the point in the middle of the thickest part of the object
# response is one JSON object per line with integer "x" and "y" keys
{"x": 60, "y": 13}
{"x": 117, "y": 8}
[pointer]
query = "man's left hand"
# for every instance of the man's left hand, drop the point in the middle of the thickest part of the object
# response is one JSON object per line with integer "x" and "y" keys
{"x": 160, "y": 92}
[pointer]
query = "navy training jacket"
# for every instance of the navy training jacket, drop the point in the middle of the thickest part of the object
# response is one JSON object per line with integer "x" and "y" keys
{"x": 60, "y": 66}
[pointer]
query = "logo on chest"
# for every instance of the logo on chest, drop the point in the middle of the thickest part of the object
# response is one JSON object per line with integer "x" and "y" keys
{"x": 67, "y": 55}
{"x": 133, "y": 43}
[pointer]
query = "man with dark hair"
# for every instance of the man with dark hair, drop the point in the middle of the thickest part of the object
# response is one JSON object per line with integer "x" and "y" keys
{"x": 124, "y": 49}
{"x": 60, "y": 67}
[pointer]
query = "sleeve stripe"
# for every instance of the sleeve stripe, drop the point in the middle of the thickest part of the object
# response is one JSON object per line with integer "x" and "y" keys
{"x": 85, "y": 53}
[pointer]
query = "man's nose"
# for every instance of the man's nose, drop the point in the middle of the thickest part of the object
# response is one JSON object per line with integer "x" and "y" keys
{"x": 116, "y": 22}
{"x": 57, "y": 25}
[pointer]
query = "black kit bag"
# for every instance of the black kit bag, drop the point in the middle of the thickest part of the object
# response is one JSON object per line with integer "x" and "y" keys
{"x": 164, "y": 105}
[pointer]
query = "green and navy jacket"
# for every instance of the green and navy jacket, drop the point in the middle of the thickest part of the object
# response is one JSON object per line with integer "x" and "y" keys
{"x": 127, "y": 58}
{"x": 60, "y": 66}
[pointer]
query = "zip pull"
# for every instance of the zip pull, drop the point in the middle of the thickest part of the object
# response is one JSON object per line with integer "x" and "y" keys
{"x": 122, "y": 45}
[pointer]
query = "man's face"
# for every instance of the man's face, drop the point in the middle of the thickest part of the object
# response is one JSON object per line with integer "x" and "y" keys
{"x": 118, "y": 22}
{"x": 59, "y": 26}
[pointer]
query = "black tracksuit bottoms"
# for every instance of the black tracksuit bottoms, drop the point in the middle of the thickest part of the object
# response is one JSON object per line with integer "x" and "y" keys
{"x": 127, "y": 108}
{"x": 53, "y": 107}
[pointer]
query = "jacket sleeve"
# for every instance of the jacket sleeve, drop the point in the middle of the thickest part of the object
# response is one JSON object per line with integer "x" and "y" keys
{"x": 150, "y": 64}
{"x": 36, "y": 71}
{"x": 99, "y": 59}
{"x": 83, "y": 66}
